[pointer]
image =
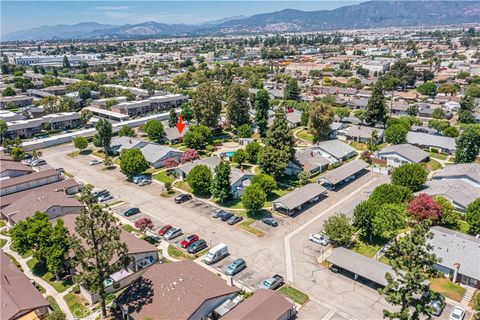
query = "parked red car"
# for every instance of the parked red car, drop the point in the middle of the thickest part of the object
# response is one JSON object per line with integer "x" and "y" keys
{"x": 164, "y": 229}
{"x": 189, "y": 240}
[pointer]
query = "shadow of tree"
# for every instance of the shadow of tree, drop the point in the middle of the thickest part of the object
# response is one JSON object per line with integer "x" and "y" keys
{"x": 139, "y": 294}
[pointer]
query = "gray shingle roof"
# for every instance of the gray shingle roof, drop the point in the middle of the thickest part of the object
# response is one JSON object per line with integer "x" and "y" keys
{"x": 341, "y": 173}
{"x": 363, "y": 132}
{"x": 470, "y": 171}
{"x": 363, "y": 266}
{"x": 155, "y": 152}
{"x": 455, "y": 247}
{"x": 336, "y": 148}
{"x": 407, "y": 151}
{"x": 459, "y": 191}
{"x": 430, "y": 140}
{"x": 299, "y": 196}
{"x": 210, "y": 162}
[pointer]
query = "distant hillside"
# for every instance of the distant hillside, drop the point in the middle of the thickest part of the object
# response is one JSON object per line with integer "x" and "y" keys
{"x": 57, "y": 32}
{"x": 372, "y": 14}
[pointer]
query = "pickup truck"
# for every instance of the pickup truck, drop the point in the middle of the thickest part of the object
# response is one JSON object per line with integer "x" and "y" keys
{"x": 272, "y": 283}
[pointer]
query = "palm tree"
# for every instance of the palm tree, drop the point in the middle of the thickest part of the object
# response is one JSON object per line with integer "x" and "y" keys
{"x": 36, "y": 154}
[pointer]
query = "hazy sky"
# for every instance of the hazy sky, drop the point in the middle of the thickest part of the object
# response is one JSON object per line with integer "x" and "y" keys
{"x": 18, "y": 15}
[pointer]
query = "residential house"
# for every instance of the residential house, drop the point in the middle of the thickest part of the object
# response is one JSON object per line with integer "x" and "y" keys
{"x": 29, "y": 181}
{"x": 458, "y": 191}
{"x": 307, "y": 161}
{"x": 264, "y": 304}
{"x": 459, "y": 255}
{"x": 20, "y": 299}
{"x": 16, "y": 101}
{"x": 184, "y": 169}
{"x": 12, "y": 169}
{"x": 396, "y": 155}
{"x": 361, "y": 134}
{"x": 468, "y": 172}
{"x": 55, "y": 204}
{"x": 179, "y": 290}
{"x": 142, "y": 253}
{"x": 335, "y": 151}
{"x": 432, "y": 142}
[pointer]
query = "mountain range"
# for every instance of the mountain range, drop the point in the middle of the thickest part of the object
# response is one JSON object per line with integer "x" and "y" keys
{"x": 371, "y": 14}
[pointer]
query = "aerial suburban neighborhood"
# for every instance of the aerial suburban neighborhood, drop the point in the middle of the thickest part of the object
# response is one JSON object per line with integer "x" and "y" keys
{"x": 284, "y": 163}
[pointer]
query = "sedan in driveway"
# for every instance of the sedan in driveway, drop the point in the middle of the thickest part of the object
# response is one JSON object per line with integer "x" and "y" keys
{"x": 319, "y": 238}
{"x": 235, "y": 267}
{"x": 131, "y": 212}
{"x": 189, "y": 240}
{"x": 270, "y": 221}
{"x": 182, "y": 198}
{"x": 94, "y": 162}
{"x": 234, "y": 219}
{"x": 197, "y": 246}
{"x": 164, "y": 229}
{"x": 217, "y": 213}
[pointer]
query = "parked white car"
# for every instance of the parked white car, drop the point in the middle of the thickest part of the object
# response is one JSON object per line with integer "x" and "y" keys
{"x": 319, "y": 238}
{"x": 457, "y": 313}
{"x": 94, "y": 162}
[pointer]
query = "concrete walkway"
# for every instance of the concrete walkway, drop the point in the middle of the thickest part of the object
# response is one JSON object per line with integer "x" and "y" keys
{"x": 49, "y": 290}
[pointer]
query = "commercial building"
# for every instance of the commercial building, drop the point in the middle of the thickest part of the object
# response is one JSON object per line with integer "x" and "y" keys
{"x": 56, "y": 60}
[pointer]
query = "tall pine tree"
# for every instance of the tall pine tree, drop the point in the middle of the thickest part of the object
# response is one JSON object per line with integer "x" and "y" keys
{"x": 262, "y": 105}
{"x": 279, "y": 136}
{"x": 319, "y": 120}
{"x": 237, "y": 105}
{"x": 172, "y": 118}
{"x": 376, "y": 107}
{"x": 207, "y": 104}
{"x": 97, "y": 246}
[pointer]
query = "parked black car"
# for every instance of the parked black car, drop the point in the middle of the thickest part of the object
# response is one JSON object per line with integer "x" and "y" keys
{"x": 182, "y": 198}
{"x": 226, "y": 215}
{"x": 197, "y": 246}
{"x": 130, "y": 212}
{"x": 234, "y": 219}
{"x": 270, "y": 221}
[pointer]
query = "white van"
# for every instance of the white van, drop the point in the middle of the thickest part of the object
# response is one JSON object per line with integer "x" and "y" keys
{"x": 217, "y": 253}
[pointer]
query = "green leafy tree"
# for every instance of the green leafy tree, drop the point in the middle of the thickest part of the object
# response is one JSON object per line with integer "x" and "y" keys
{"x": 172, "y": 118}
{"x": 200, "y": 179}
{"x": 279, "y": 136}
{"x": 3, "y": 130}
{"x": 81, "y": 143}
{"x": 438, "y": 113}
{"x": 154, "y": 130}
{"x": 85, "y": 116}
{"x": 240, "y": 156}
{"x": 451, "y": 132}
{"x": 292, "y": 90}
{"x": 468, "y": 144}
{"x": 342, "y": 113}
{"x": 389, "y": 219}
{"x": 254, "y": 198}
{"x": 197, "y": 137}
{"x": 103, "y": 137}
{"x": 363, "y": 215}
{"x": 376, "y": 107}
{"x": 17, "y": 153}
{"x": 273, "y": 161}
{"x": 391, "y": 193}
{"x": 66, "y": 62}
{"x": 266, "y": 182}
{"x": 221, "y": 188}
{"x": 261, "y": 106}
{"x": 413, "y": 263}
{"x": 449, "y": 216}
{"x": 320, "y": 117}
{"x": 472, "y": 215}
{"x": 57, "y": 251}
{"x": 206, "y": 104}
{"x": 126, "y": 131}
{"x": 8, "y": 92}
{"x": 56, "y": 314}
{"x": 237, "y": 105}
{"x": 132, "y": 162}
{"x": 245, "y": 131}
{"x": 187, "y": 111}
{"x": 338, "y": 229}
{"x": 396, "y": 134}
{"x": 97, "y": 247}
{"x": 252, "y": 149}
{"x": 427, "y": 88}
{"x": 410, "y": 175}
{"x": 473, "y": 91}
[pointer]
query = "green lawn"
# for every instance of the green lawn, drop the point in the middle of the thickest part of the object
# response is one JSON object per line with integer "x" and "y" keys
{"x": 129, "y": 228}
{"x": 367, "y": 248}
{"x": 463, "y": 226}
{"x": 433, "y": 165}
{"x": 447, "y": 288}
{"x": 39, "y": 287}
{"x": 183, "y": 185}
{"x": 78, "y": 153}
{"x": 274, "y": 196}
{"x": 163, "y": 177}
{"x": 53, "y": 303}
{"x": 247, "y": 226}
{"x": 440, "y": 156}
{"x": 39, "y": 270}
{"x": 359, "y": 146}
{"x": 294, "y": 294}
{"x": 304, "y": 135}
{"x": 76, "y": 305}
{"x": 23, "y": 255}
{"x": 3, "y": 242}
{"x": 2, "y": 224}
